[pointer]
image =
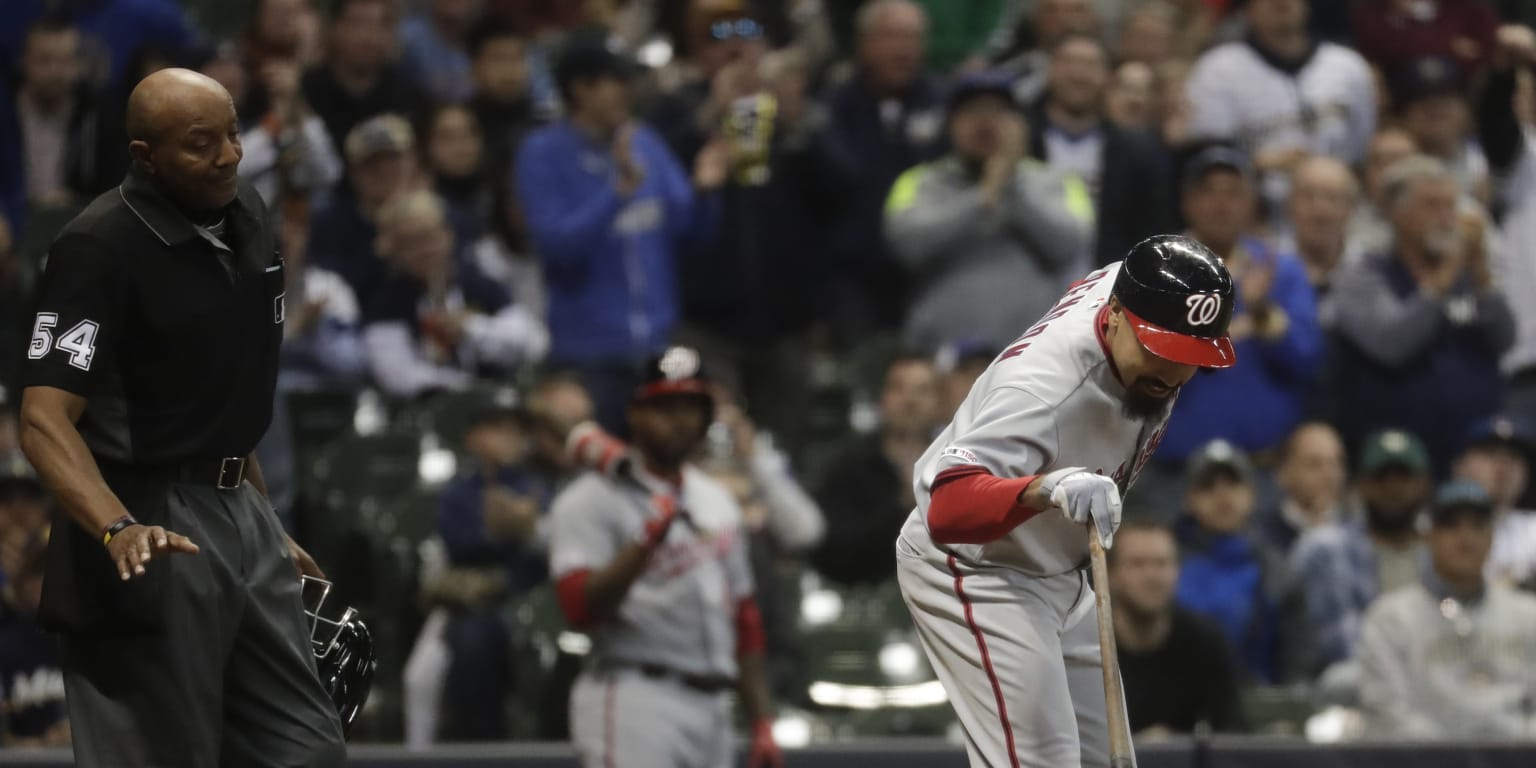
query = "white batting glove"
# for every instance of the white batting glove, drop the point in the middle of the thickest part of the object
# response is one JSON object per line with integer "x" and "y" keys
{"x": 1085, "y": 497}
{"x": 592, "y": 447}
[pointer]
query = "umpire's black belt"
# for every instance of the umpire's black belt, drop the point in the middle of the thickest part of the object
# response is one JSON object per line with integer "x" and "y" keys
{"x": 700, "y": 683}
{"x": 224, "y": 474}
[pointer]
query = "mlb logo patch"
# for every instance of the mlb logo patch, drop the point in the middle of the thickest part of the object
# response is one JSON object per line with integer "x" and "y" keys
{"x": 279, "y": 309}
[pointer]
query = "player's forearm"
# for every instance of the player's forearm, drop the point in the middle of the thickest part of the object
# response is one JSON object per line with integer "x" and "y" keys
{"x": 63, "y": 462}
{"x": 752, "y": 684}
{"x": 606, "y": 588}
{"x": 970, "y": 506}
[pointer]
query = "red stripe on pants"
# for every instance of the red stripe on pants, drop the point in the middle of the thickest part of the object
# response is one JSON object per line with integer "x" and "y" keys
{"x": 986, "y": 662}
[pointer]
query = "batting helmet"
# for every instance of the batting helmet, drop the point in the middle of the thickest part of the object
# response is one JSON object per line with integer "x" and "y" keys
{"x": 1177, "y": 296}
{"x": 678, "y": 371}
{"x": 343, "y": 650}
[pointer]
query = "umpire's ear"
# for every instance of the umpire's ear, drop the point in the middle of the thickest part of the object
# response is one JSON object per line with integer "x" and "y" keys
{"x": 141, "y": 152}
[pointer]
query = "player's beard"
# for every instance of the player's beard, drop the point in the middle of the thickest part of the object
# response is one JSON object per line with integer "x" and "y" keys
{"x": 1144, "y": 407}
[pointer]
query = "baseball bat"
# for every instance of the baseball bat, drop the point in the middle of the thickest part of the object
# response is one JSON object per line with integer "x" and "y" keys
{"x": 1121, "y": 755}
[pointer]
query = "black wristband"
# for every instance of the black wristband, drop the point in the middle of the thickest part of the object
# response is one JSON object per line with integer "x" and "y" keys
{"x": 117, "y": 527}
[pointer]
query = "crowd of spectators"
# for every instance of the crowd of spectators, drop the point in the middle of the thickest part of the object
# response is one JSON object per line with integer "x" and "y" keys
{"x": 476, "y": 194}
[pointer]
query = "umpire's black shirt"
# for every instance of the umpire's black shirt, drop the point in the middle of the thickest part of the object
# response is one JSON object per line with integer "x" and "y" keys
{"x": 171, "y": 332}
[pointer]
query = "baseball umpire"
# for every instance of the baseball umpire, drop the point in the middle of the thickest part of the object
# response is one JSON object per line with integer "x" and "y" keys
{"x": 650, "y": 558}
{"x": 147, "y": 383}
{"x": 991, "y": 563}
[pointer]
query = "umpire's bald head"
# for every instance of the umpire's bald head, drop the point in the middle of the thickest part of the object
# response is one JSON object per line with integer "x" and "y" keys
{"x": 183, "y": 133}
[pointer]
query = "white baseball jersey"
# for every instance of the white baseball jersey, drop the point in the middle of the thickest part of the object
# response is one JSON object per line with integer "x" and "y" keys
{"x": 680, "y": 613}
{"x": 1050, "y": 400}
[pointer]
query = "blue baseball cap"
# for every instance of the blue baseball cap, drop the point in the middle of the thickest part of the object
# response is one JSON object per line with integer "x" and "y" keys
{"x": 978, "y": 84}
{"x": 1218, "y": 157}
{"x": 1459, "y": 498}
{"x": 1499, "y": 430}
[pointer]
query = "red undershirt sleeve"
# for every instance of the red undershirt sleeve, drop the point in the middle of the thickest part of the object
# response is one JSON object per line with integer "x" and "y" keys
{"x": 968, "y": 505}
{"x": 571, "y": 591}
{"x": 750, "y": 638}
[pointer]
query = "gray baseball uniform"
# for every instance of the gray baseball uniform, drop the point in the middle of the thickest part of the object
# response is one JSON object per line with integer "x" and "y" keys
{"x": 656, "y": 691}
{"x": 1009, "y": 625}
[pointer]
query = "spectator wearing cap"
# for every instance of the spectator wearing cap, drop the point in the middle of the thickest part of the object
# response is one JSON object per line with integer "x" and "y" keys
{"x": 1449, "y": 655}
{"x": 1126, "y": 172}
{"x": 433, "y": 50}
{"x": 1311, "y": 475}
{"x": 1281, "y": 94}
{"x": 358, "y": 78}
{"x": 1392, "y": 33}
{"x": 381, "y": 162}
{"x": 1257, "y": 402}
{"x": 1495, "y": 458}
{"x": 1422, "y": 323}
{"x": 883, "y": 121}
{"x": 866, "y": 488}
{"x": 607, "y": 207}
{"x": 990, "y": 237}
{"x": 1341, "y": 567}
{"x": 1227, "y": 573}
{"x": 1430, "y": 103}
{"x": 434, "y": 322}
{"x": 1179, "y": 668}
{"x": 490, "y": 519}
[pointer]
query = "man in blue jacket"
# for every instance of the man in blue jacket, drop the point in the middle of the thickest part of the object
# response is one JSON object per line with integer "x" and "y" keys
{"x": 1256, "y": 403}
{"x": 607, "y": 206}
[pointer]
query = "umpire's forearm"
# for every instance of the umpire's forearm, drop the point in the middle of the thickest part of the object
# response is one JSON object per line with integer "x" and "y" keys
{"x": 606, "y": 588}
{"x": 56, "y": 450}
{"x": 752, "y": 684}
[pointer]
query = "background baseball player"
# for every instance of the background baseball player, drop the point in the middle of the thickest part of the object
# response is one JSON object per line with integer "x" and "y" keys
{"x": 650, "y": 559}
{"x": 991, "y": 562}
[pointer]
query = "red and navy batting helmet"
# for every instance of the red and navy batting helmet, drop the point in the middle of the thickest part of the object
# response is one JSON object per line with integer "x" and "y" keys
{"x": 1178, "y": 298}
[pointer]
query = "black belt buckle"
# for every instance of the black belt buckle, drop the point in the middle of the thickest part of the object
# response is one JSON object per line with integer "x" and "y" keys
{"x": 231, "y": 473}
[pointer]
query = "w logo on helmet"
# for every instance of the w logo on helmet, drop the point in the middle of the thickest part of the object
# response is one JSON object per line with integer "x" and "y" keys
{"x": 1204, "y": 308}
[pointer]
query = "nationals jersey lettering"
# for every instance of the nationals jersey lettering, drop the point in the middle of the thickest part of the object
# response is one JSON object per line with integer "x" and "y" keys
{"x": 1050, "y": 400}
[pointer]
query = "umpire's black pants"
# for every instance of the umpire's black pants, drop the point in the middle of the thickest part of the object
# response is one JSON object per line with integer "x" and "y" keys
{"x": 224, "y": 674}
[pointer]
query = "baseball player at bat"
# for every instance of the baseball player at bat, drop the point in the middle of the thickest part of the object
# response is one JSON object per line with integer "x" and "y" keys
{"x": 650, "y": 559}
{"x": 992, "y": 562}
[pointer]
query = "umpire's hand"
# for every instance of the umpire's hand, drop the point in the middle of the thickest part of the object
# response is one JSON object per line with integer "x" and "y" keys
{"x": 133, "y": 547}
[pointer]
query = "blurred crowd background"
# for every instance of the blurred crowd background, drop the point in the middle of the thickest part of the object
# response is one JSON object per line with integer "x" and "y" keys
{"x": 494, "y": 211}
